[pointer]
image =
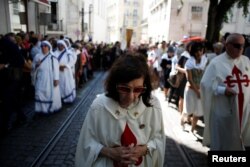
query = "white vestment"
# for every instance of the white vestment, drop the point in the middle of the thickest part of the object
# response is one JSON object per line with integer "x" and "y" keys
{"x": 67, "y": 82}
{"x": 73, "y": 54}
{"x": 105, "y": 124}
{"x": 224, "y": 128}
{"x": 47, "y": 96}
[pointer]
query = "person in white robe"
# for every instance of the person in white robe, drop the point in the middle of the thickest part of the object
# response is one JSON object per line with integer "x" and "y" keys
{"x": 72, "y": 52}
{"x": 67, "y": 82}
{"x": 225, "y": 94}
{"x": 45, "y": 70}
{"x": 124, "y": 126}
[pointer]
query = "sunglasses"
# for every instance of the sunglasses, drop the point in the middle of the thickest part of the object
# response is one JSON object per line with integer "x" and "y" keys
{"x": 127, "y": 89}
{"x": 237, "y": 45}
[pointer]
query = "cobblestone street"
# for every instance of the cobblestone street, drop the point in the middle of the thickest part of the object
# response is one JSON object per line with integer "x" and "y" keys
{"x": 22, "y": 145}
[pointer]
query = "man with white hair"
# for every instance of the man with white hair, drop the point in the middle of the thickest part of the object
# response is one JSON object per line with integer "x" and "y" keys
{"x": 225, "y": 94}
{"x": 67, "y": 82}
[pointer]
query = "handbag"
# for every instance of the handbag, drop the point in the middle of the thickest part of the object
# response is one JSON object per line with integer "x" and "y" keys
{"x": 175, "y": 80}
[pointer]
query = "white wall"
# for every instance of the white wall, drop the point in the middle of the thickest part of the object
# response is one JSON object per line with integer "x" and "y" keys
{"x": 5, "y": 26}
{"x": 71, "y": 13}
{"x": 238, "y": 23}
{"x": 99, "y": 21}
{"x": 158, "y": 20}
{"x": 182, "y": 25}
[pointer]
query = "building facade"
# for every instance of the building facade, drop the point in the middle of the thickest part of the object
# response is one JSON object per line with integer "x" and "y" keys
{"x": 237, "y": 22}
{"x": 98, "y": 21}
{"x": 55, "y": 18}
{"x": 15, "y": 19}
{"x": 123, "y": 15}
{"x": 176, "y": 19}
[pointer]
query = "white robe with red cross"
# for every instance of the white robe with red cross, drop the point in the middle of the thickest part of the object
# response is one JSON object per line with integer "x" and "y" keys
{"x": 109, "y": 125}
{"x": 227, "y": 118}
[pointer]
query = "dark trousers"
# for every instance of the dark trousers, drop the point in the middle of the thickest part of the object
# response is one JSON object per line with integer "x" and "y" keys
{"x": 11, "y": 103}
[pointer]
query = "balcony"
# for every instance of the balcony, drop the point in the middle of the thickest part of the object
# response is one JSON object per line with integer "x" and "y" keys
{"x": 55, "y": 28}
{"x": 144, "y": 22}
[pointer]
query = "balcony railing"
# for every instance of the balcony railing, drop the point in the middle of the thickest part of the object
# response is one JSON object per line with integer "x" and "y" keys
{"x": 56, "y": 26}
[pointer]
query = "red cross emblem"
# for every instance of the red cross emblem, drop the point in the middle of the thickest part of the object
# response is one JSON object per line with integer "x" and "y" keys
{"x": 128, "y": 139}
{"x": 240, "y": 79}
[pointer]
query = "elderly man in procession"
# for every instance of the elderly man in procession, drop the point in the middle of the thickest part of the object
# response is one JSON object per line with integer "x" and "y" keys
{"x": 225, "y": 93}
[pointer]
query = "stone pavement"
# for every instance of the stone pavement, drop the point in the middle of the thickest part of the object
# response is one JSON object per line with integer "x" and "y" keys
{"x": 180, "y": 143}
{"x": 23, "y": 144}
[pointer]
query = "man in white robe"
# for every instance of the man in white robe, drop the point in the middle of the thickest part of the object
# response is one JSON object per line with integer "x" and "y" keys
{"x": 46, "y": 80}
{"x": 67, "y": 82}
{"x": 225, "y": 94}
{"x": 138, "y": 123}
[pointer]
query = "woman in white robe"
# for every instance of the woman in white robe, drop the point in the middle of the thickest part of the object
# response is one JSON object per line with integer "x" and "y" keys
{"x": 123, "y": 127}
{"x": 67, "y": 82}
{"x": 46, "y": 80}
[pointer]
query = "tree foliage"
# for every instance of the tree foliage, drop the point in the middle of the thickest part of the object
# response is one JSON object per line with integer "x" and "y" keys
{"x": 217, "y": 13}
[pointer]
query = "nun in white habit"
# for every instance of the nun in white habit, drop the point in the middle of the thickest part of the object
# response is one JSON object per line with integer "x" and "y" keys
{"x": 73, "y": 54}
{"x": 67, "y": 83}
{"x": 45, "y": 70}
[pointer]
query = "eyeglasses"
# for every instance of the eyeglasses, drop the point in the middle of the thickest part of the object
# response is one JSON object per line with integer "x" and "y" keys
{"x": 237, "y": 45}
{"x": 127, "y": 89}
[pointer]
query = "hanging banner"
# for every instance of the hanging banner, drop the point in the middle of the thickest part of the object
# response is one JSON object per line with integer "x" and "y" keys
{"x": 129, "y": 33}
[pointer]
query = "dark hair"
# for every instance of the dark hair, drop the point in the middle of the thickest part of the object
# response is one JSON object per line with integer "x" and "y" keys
{"x": 125, "y": 69}
{"x": 75, "y": 46}
{"x": 34, "y": 40}
{"x": 61, "y": 37}
{"x": 10, "y": 34}
{"x": 209, "y": 46}
{"x": 188, "y": 46}
{"x": 196, "y": 46}
{"x": 226, "y": 35}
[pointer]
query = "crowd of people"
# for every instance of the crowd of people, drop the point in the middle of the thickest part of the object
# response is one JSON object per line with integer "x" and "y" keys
{"x": 47, "y": 71}
{"x": 209, "y": 82}
{"x": 200, "y": 77}
{"x": 213, "y": 83}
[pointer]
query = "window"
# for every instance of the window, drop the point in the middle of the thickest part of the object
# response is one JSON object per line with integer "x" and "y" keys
{"x": 136, "y": 3}
{"x": 196, "y": 12}
{"x": 135, "y": 12}
{"x": 135, "y": 23}
{"x": 248, "y": 18}
{"x": 127, "y": 13}
{"x": 134, "y": 34}
{"x": 53, "y": 12}
{"x": 15, "y": 9}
